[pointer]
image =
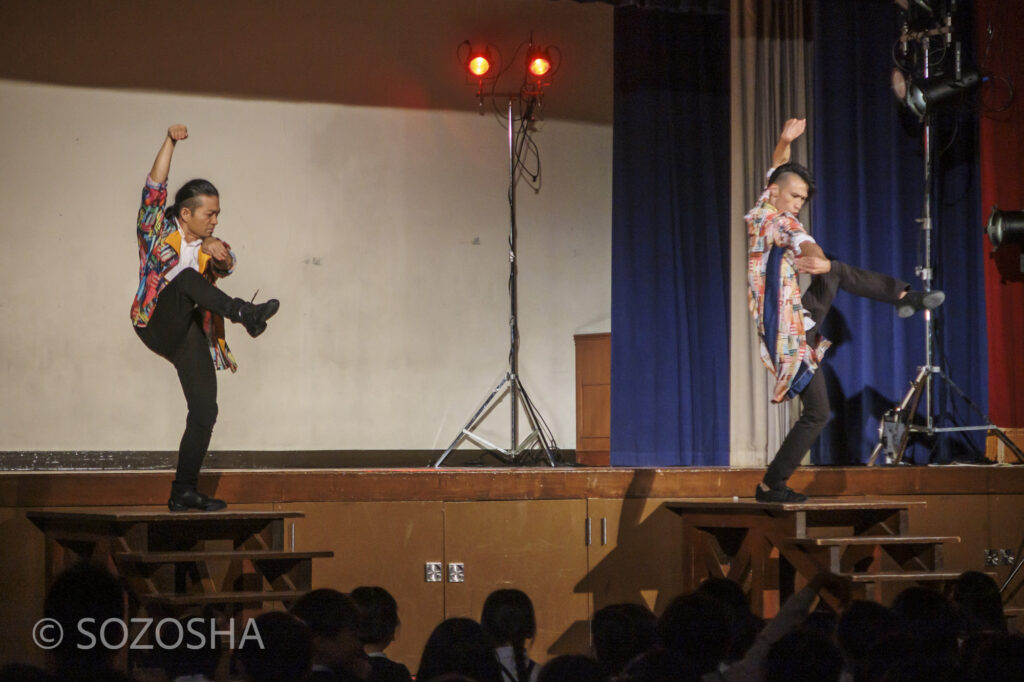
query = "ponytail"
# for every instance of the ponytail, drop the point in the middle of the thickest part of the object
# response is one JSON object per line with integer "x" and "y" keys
{"x": 190, "y": 195}
{"x": 522, "y": 665}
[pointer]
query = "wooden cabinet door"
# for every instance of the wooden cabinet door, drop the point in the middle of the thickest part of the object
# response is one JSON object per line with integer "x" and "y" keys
{"x": 536, "y": 546}
{"x": 635, "y": 553}
{"x": 385, "y": 544}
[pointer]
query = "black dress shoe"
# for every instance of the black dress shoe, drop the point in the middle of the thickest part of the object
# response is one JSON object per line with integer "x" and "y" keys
{"x": 191, "y": 499}
{"x": 784, "y": 494}
{"x": 254, "y": 316}
{"x": 919, "y": 300}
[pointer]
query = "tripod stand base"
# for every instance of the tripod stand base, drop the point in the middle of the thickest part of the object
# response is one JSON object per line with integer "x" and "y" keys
{"x": 518, "y": 454}
{"x": 897, "y": 424}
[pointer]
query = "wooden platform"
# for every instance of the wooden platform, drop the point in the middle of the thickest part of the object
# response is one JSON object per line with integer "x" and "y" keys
{"x": 166, "y": 558}
{"x": 770, "y": 548}
{"x": 574, "y": 539}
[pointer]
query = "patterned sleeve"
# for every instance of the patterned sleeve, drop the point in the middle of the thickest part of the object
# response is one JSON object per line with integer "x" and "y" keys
{"x": 151, "y": 210}
{"x": 789, "y": 233}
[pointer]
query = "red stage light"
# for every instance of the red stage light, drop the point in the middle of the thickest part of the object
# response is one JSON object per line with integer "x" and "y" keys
{"x": 538, "y": 62}
{"x": 479, "y": 63}
{"x": 539, "y": 66}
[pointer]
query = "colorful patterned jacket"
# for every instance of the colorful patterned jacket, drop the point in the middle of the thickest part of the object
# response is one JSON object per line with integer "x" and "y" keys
{"x": 159, "y": 250}
{"x": 773, "y": 294}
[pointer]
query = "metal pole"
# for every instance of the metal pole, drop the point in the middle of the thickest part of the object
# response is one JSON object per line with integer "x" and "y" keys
{"x": 517, "y": 392}
{"x": 926, "y": 225}
{"x": 513, "y": 357}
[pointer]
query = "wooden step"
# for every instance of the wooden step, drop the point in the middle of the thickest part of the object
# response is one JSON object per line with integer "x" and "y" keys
{"x": 876, "y": 540}
{"x": 221, "y": 598}
{"x": 242, "y": 554}
{"x": 908, "y": 576}
{"x": 126, "y": 516}
{"x": 821, "y": 504}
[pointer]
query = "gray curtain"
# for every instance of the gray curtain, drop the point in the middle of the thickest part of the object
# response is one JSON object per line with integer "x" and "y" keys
{"x": 770, "y": 82}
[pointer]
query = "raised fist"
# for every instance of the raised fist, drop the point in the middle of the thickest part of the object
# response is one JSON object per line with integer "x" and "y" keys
{"x": 177, "y": 132}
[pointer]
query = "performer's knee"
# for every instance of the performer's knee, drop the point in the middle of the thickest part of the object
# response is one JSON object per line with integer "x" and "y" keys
{"x": 815, "y": 416}
{"x": 203, "y": 415}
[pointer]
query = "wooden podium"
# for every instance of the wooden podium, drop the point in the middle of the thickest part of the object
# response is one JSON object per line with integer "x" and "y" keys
{"x": 593, "y": 398}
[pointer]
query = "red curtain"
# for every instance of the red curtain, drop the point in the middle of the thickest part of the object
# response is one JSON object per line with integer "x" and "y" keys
{"x": 1002, "y": 184}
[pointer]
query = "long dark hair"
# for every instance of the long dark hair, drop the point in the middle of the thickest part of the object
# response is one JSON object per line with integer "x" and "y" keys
{"x": 508, "y": 617}
{"x": 189, "y": 196}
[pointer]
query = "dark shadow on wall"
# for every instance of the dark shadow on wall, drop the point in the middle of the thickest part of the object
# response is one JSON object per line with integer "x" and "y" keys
{"x": 399, "y": 53}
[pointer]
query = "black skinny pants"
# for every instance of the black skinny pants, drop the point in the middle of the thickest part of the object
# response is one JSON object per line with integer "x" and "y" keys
{"x": 175, "y": 333}
{"x": 814, "y": 398}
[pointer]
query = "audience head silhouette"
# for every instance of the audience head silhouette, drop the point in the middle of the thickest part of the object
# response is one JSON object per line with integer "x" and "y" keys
{"x": 459, "y": 646}
{"x": 284, "y": 651}
{"x": 620, "y": 633}
{"x": 84, "y": 591}
{"x": 378, "y": 615}
{"x": 333, "y": 621}
{"x": 698, "y": 629}
{"x": 508, "y": 620}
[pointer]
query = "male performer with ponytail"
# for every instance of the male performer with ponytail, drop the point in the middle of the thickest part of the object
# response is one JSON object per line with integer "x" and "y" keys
{"x": 788, "y": 320}
{"x": 178, "y": 311}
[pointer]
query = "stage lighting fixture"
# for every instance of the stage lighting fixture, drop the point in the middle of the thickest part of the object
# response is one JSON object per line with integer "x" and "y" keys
{"x": 479, "y": 62}
{"x": 899, "y": 84}
{"x": 538, "y": 62}
{"x": 924, "y": 5}
{"x": 1005, "y": 227}
{"x": 921, "y": 14}
{"x": 923, "y": 96}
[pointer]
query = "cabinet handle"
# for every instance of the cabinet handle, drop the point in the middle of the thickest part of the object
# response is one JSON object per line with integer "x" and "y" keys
{"x": 456, "y": 573}
{"x": 588, "y": 532}
{"x": 604, "y": 530}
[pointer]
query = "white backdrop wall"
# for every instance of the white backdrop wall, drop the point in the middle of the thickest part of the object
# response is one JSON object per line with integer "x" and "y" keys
{"x": 358, "y": 185}
{"x": 382, "y": 231}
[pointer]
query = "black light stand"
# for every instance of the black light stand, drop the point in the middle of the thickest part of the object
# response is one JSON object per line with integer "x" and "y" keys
{"x": 897, "y": 424}
{"x": 524, "y": 452}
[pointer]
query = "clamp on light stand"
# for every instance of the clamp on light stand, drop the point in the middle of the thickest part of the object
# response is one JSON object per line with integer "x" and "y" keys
{"x": 539, "y": 445}
{"x": 923, "y": 24}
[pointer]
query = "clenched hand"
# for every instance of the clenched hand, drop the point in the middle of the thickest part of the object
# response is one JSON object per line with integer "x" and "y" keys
{"x": 215, "y": 249}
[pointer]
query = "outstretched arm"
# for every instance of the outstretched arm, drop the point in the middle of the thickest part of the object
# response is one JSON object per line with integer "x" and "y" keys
{"x": 162, "y": 163}
{"x": 793, "y": 129}
{"x": 812, "y": 259}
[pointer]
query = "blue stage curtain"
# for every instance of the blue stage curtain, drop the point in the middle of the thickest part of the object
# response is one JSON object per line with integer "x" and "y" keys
{"x": 869, "y": 169}
{"x": 670, "y": 243}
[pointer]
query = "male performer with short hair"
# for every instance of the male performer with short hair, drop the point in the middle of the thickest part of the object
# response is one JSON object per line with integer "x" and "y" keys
{"x": 179, "y": 313}
{"x": 788, "y": 320}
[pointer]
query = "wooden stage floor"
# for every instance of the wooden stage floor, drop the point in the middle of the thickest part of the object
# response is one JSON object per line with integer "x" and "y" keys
{"x": 269, "y": 486}
{"x": 575, "y": 539}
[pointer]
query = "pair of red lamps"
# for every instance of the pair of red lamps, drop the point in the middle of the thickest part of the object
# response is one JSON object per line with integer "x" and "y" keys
{"x": 538, "y": 62}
